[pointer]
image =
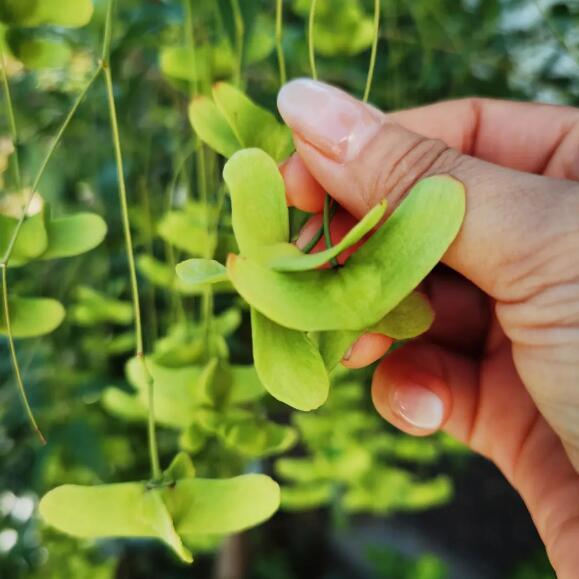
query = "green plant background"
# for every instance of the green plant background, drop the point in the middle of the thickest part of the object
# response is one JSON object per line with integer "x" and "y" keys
{"x": 340, "y": 465}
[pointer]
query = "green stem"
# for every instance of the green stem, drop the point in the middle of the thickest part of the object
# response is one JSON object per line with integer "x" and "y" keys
{"x": 14, "y": 357}
{"x": 11, "y": 244}
{"x": 11, "y": 120}
{"x": 279, "y": 42}
{"x": 328, "y": 204}
{"x": 53, "y": 145}
{"x": 239, "y": 39}
{"x": 152, "y": 435}
{"x": 374, "y": 51}
{"x": 311, "y": 39}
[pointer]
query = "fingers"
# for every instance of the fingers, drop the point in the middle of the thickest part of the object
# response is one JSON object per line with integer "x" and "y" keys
{"x": 360, "y": 157}
{"x": 530, "y": 137}
{"x": 368, "y": 349}
{"x": 486, "y": 406}
{"x": 302, "y": 190}
{"x": 462, "y": 312}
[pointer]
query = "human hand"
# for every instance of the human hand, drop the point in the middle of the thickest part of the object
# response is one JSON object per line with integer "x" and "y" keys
{"x": 499, "y": 370}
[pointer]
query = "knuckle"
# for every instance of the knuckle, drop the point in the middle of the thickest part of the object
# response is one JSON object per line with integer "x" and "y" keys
{"x": 401, "y": 166}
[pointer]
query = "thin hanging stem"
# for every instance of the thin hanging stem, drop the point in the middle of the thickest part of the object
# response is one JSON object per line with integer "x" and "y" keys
{"x": 239, "y": 39}
{"x": 51, "y": 149}
{"x": 11, "y": 120}
{"x": 152, "y": 435}
{"x": 14, "y": 357}
{"x": 311, "y": 39}
{"x": 17, "y": 230}
{"x": 374, "y": 51}
{"x": 279, "y": 42}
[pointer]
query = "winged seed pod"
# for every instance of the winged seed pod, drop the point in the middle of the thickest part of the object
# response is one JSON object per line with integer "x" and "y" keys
{"x": 303, "y": 318}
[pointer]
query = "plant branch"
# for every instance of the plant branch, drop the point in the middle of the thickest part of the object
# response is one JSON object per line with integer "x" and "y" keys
{"x": 374, "y": 51}
{"x": 279, "y": 43}
{"x": 152, "y": 436}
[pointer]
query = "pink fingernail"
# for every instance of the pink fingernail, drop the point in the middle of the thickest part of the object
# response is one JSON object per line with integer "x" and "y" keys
{"x": 417, "y": 405}
{"x": 329, "y": 119}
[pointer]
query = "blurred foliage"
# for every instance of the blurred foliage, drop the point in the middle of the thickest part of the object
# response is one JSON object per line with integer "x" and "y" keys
{"x": 87, "y": 398}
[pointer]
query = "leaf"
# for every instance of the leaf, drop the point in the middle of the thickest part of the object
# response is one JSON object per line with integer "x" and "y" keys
{"x": 258, "y": 438}
{"x": 163, "y": 275}
{"x": 246, "y": 386}
{"x": 288, "y": 364}
{"x": 201, "y": 271}
{"x": 38, "y": 53}
{"x": 184, "y": 63}
{"x": 178, "y": 391}
{"x": 212, "y": 127}
{"x": 410, "y": 318}
{"x": 185, "y": 230}
{"x": 32, "y": 317}
{"x": 374, "y": 280}
{"x": 253, "y": 125}
{"x": 74, "y": 235}
{"x": 93, "y": 307}
{"x": 66, "y": 13}
{"x": 171, "y": 513}
{"x": 304, "y": 261}
{"x": 181, "y": 467}
{"x": 309, "y": 496}
{"x": 260, "y": 214}
{"x": 32, "y": 240}
{"x": 204, "y": 506}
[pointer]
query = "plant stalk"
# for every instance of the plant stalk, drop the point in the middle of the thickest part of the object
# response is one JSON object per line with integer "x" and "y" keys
{"x": 151, "y": 426}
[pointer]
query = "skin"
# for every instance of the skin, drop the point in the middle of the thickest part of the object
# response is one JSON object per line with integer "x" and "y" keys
{"x": 503, "y": 354}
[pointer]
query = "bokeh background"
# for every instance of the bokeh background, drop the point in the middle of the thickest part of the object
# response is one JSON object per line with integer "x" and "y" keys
{"x": 360, "y": 500}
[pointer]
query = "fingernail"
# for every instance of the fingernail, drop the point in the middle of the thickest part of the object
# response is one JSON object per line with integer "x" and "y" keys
{"x": 329, "y": 119}
{"x": 417, "y": 405}
{"x": 348, "y": 353}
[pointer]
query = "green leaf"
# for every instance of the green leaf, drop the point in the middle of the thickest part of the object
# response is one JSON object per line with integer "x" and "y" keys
{"x": 171, "y": 513}
{"x": 39, "y": 53}
{"x": 186, "y": 230}
{"x": 309, "y": 496}
{"x": 251, "y": 124}
{"x": 308, "y": 261}
{"x": 178, "y": 391}
{"x": 260, "y": 214}
{"x": 203, "y": 506}
{"x": 201, "y": 271}
{"x": 410, "y": 318}
{"x": 31, "y": 242}
{"x": 181, "y": 467}
{"x": 374, "y": 280}
{"x": 212, "y": 127}
{"x": 93, "y": 307}
{"x": 74, "y": 235}
{"x": 246, "y": 386}
{"x": 31, "y": 317}
{"x": 184, "y": 63}
{"x": 67, "y": 13}
{"x": 258, "y": 438}
{"x": 288, "y": 364}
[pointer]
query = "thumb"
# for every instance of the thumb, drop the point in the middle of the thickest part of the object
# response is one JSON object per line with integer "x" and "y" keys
{"x": 361, "y": 156}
